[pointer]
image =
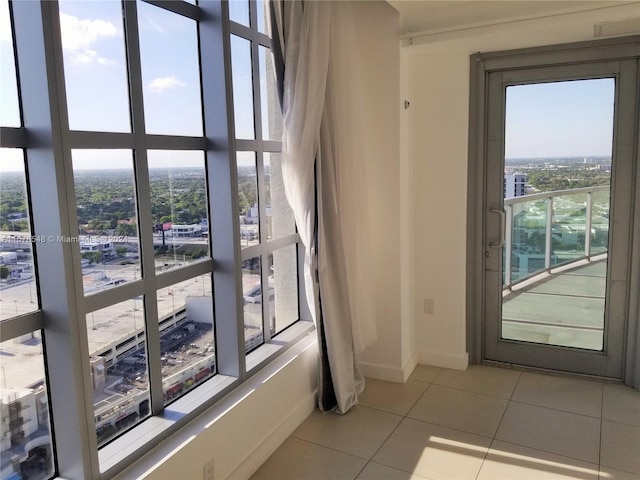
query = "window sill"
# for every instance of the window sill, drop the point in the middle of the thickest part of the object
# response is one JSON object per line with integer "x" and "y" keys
{"x": 216, "y": 397}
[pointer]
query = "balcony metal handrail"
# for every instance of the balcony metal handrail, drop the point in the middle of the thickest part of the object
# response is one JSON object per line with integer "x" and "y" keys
{"x": 549, "y": 197}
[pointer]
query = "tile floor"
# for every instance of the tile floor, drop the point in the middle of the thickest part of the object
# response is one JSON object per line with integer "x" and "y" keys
{"x": 485, "y": 423}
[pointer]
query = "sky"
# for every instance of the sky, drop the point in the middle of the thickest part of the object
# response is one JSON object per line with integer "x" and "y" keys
{"x": 95, "y": 70}
{"x": 562, "y": 119}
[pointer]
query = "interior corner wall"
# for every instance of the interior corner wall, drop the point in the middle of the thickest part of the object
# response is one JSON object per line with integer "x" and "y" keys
{"x": 379, "y": 60}
{"x": 439, "y": 94}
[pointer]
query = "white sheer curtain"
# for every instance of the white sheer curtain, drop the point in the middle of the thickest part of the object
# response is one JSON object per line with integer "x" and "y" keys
{"x": 324, "y": 162}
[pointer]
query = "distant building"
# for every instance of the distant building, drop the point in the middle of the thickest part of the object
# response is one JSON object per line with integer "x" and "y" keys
{"x": 106, "y": 248}
{"x": 98, "y": 373}
{"x": 8, "y": 258}
{"x": 185, "y": 230}
{"x": 605, "y": 167}
{"x": 515, "y": 185}
{"x": 24, "y": 431}
{"x": 253, "y": 216}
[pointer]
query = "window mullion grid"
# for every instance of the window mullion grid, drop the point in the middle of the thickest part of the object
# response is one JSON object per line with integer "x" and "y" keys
{"x": 12, "y": 137}
{"x": 143, "y": 202}
{"x": 15, "y": 327}
{"x": 44, "y": 113}
{"x": 253, "y": 16}
{"x": 250, "y": 34}
{"x": 179, "y": 7}
{"x": 257, "y": 120}
{"x": 222, "y": 183}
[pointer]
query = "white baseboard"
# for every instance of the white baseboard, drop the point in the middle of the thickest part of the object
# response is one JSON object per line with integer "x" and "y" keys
{"x": 390, "y": 374}
{"x": 444, "y": 360}
{"x": 410, "y": 366}
{"x": 382, "y": 372}
{"x": 274, "y": 439}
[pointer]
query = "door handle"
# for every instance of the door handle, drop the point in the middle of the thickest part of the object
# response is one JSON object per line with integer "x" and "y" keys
{"x": 502, "y": 227}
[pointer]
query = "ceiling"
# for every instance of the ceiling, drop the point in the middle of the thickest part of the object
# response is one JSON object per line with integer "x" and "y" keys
{"x": 438, "y": 15}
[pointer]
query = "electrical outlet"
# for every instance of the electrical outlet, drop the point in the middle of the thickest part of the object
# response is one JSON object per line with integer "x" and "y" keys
{"x": 209, "y": 470}
{"x": 428, "y": 306}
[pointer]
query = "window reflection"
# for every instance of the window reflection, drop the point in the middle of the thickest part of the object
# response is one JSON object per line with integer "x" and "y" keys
{"x": 239, "y": 12}
{"x": 170, "y": 72}
{"x": 270, "y": 105}
{"x": 242, "y": 87}
{"x": 185, "y": 314}
{"x": 95, "y": 66}
{"x": 283, "y": 279}
{"x": 18, "y": 291}
{"x": 27, "y": 450}
{"x": 248, "y": 199}
{"x": 178, "y": 207}
{"x": 10, "y": 111}
{"x": 280, "y": 219}
{"x": 253, "y": 298}
{"x": 118, "y": 362}
{"x": 107, "y": 218}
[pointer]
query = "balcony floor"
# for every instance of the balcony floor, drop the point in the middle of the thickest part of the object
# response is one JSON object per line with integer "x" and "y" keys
{"x": 484, "y": 423}
{"x": 563, "y": 309}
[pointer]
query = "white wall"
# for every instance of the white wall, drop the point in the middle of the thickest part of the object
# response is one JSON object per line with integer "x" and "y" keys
{"x": 379, "y": 58}
{"x": 439, "y": 92}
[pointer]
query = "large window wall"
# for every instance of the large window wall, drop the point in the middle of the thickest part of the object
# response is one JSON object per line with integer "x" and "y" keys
{"x": 149, "y": 259}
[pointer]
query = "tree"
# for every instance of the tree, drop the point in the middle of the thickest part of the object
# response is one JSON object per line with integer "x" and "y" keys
{"x": 4, "y": 272}
{"x": 126, "y": 229}
{"x": 93, "y": 257}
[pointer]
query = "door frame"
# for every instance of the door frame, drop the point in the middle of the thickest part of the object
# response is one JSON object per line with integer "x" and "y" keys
{"x": 482, "y": 64}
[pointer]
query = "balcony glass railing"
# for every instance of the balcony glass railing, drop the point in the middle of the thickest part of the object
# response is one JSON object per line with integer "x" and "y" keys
{"x": 546, "y": 230}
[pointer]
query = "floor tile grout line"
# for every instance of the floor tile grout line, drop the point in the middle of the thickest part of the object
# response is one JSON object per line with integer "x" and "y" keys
{"x": 554, "y": 409}
{"x": 330, "y": 448}
{"x": 548, "y": 452}
{"x": 449, "y": 428}
{"x": 486, "y": 455}
{"x": 404, "y": 417}
{"x": 493, "y": 439}
{"x": 470, "y": 391}
{"x": 601, "y": 425}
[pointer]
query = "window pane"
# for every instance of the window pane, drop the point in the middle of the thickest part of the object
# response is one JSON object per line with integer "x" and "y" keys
{"x": 280, "y": 220}
{"x": 185, "y": 312}
{"x": 248, "y": 199}
{"x": 263, "y": 12}
{"x": 24, "y": 409}
{"x": 10, "y": 111}
{"x": 242, "y": 87}
{"x": 283, "y": 289}
{"x": 239, "y": 11}
{"x": 178, "y": 207}
{"x": 107, "y": 218}
{"x": 270, "y": 105}
{"x": 252, "y": 291}
{"x": 18, "y": 291}
{"x": 95, "y": 65}
{"x": 118, "y": 362}
{"x": 170, "y": 72}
